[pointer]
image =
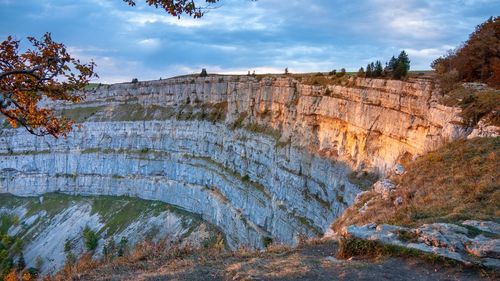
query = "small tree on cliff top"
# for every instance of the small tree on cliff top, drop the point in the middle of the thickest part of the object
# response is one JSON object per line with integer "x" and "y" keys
{"x": 402, "y": 66}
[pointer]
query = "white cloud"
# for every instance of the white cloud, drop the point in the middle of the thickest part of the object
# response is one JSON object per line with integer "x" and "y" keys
{"x": 230, "y": 17}
{"x": 149, "y": 43}
{"x": 145, "y": 18}
{"x": 428, "y": 53}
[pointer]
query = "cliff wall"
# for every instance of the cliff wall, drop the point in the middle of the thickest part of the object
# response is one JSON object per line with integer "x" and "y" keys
{"x": 260, "y": 158}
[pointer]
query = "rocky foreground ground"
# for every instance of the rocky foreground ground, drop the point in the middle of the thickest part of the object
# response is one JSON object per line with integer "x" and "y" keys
{"x": 312, "y": 261}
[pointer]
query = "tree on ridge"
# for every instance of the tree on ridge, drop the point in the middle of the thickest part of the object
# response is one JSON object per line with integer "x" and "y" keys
{"x": 44, "y": 72}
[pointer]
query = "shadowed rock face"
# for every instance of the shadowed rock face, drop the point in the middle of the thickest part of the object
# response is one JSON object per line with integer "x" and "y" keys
{"x": 47, "y": 223}
{"x": 268, "y": 158}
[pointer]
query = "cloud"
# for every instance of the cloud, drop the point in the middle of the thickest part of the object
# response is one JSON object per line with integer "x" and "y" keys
{"x": 149, "y": 43}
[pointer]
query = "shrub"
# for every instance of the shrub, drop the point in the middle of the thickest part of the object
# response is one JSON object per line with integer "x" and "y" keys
{"x": 123, "y": 247}
{"x": 341, "y": 73}
{"x": 238, "y": 123}
{"x": 361, "y": 72}
{"x": 449, "y": 81}
{"x": 21, "y": 263}
{"x": 38, "y": 263}
{"x": 267, "y": 241}
{"x": 350, "y": 247}
{"x": 135, "y": 80}
{"x": 91, "y": 239}
{"x": 67, "y": 246}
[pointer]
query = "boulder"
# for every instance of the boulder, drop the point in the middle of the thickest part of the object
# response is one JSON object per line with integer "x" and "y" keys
{"x": 399, "y": 169}
{"x": 443, "y": 239}
{"x": 398, "y": 201}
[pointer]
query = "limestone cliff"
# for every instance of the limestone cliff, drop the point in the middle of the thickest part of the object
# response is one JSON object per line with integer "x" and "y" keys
{"x": 260, "y": 158}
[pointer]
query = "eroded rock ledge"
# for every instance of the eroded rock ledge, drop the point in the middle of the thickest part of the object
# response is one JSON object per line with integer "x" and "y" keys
{"x": 473, "y": 242}
{"x": 259, "y": 158}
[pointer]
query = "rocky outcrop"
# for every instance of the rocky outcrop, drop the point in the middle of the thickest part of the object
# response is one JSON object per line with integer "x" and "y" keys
{"x": 467, "y": 245}
{"x": 259, "y": 158}
{"x": 51, "y": 226}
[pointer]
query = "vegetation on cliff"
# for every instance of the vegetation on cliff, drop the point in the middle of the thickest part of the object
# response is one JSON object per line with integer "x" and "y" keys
{"x": 477, "y": 59}
{"x": 454, "y": 183}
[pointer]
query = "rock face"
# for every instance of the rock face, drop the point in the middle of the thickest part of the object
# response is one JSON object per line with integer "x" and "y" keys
{"x": 258, "y": 158}
{"x": 44, "y": 227}
{"x": 443, "y": 239}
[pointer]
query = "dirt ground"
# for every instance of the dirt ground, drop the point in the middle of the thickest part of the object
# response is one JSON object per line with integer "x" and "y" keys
{"x": 307, "y": 262}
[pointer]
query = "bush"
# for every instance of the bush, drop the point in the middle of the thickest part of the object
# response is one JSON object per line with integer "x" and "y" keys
{"x": 135, "y": 80}
{"x": 67, "y": 246}
{"x": 350, "y": 247}
{"x": 38, "y": 263}
{"x": 122, "y": 247}
{"x": 91, "y": 239}
{"x": 361, "y": 72}
{"x": 449, "y": 81}
{"x": 267, "y": 241}
{"x": 341, "y": 73}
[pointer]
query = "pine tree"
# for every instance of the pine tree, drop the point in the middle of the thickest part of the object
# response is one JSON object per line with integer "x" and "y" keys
{"x": 392, "y": 64}
{"x": 21, "y": 263}
{"x": 377, "y": 72}
{"x": 369, "y": 71}
{"x": 402, "y": 66}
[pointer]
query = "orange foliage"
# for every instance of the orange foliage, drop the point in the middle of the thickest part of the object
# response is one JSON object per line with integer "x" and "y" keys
{"x": 478, "y": 58}
{"x": 12, "y": 276}
{"x": 27, "y": 276}
{"x": 177, "y": 7}
{"x": 45, "y": 72}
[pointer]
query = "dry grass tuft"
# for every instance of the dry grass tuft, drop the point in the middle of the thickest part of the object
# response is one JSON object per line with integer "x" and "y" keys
{"x": 475, "y": 104}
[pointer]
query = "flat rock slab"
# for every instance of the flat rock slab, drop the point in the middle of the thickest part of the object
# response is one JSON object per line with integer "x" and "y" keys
{"x": 443, "y": 239}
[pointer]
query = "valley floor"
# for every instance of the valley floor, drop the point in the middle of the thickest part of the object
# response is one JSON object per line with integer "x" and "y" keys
{"x": 312, "y": 261}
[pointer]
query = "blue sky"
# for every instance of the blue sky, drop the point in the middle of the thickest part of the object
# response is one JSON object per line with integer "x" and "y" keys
{"x": 240, "y": 35}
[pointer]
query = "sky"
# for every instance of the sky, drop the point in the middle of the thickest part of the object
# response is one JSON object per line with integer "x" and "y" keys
{"x": 240, "y": 35}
